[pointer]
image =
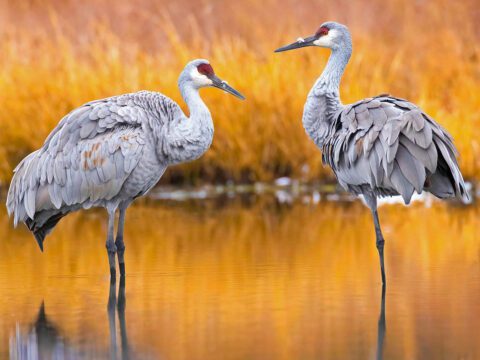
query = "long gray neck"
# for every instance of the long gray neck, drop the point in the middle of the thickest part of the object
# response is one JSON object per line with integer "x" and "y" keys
{"x": 329, "y": 81}
{"x": 324, "y": 98}
{"x": 192, "y": 136}
{"x": 199, "y": 112}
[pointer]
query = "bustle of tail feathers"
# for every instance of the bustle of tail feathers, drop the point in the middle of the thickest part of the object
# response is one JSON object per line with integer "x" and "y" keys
{"x": 447, "y": 181}
{"x": 41, "y": 232}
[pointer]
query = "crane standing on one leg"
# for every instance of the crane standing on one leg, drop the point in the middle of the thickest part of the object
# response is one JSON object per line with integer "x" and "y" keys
{"x": 379, "y": 146}
{"x": 108, "y": 152}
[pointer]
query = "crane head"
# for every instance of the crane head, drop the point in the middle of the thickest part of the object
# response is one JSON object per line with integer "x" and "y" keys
{"x": 202, "y": 75}
{"x": 331, "y": 35}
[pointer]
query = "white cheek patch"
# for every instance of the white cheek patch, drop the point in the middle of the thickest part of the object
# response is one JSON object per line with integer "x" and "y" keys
{"x": 200, "y": 79}
{"x": 300, "y": 40}
{"x": 326, "y": 40}
{"x": 195, "y": 74}
{"x": 323, "y": 41}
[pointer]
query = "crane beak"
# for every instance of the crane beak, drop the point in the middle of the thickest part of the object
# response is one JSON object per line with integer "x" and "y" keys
{"x": 222, "y": 85}
{"x": 300, "y": 43}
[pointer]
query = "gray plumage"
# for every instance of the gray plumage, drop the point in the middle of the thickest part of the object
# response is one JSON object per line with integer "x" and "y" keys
{"x": 379, "y": 146}
{"x": 388, "y": 146}
{"x": 108, "y": 152}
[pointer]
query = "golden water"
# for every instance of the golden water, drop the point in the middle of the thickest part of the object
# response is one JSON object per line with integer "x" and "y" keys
{"x": 247, "y": 279}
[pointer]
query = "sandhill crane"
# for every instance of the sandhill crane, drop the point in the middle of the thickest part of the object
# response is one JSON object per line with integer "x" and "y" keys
{"x": 108, "y": 152}
{"x": 380, "y": 146}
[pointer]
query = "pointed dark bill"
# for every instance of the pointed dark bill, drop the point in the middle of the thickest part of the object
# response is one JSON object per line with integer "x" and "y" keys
{"x": 222, "y": 85}
{"x": 300, "y": 43}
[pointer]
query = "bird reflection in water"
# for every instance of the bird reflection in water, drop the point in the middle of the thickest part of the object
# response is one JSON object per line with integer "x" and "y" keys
{"x": 43, "y": 339}
{"x": 119, "y": 304}
{"x": 381, "y": 326}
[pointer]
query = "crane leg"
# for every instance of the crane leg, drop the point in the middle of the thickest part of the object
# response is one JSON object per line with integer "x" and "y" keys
{"x": 380, "y": 241}
{"x": 121, "y": 318}
{"x": 120, "y": 303}
{"x": 119, "y": 241}
{"x": 111, "y": 248}
{"x": 381, "y": 328}
{"x": 112, "y": 302}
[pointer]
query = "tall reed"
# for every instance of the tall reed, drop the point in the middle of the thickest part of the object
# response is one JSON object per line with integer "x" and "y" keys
{"x": 56, "y": 55}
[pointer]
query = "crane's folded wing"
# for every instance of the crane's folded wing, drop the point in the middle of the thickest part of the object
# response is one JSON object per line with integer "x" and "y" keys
{"x": 390, "y": 144}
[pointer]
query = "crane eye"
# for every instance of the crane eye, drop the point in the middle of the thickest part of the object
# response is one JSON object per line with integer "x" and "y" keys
{"x": 205, "y": 69}
{"x": 322, "y": 31}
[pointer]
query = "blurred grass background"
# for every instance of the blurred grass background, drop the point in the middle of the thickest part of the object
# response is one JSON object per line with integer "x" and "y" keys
{"x": 58, "y": 54}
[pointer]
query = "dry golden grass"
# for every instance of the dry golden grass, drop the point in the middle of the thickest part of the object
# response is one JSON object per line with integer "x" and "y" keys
{"x": 56, "y": 55}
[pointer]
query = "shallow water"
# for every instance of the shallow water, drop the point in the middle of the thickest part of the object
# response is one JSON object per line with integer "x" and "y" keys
{"x": 247, "y": 278}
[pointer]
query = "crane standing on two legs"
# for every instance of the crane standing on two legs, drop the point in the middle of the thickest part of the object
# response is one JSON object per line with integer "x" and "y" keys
{"x": 381, "y": 146}
{"x": 108, "y": 152}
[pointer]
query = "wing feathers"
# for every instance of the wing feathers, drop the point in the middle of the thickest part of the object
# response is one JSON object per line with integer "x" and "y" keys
{"x": 411, "y": 169}
{"x": 401, "y": 143}
{"x": 89, "y": 155}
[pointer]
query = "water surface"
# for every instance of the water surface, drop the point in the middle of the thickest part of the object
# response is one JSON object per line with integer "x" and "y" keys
{"x": 246, "y": 278}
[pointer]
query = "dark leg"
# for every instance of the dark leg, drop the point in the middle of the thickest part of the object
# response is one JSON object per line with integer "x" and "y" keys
{"x": 112, "y": 302}
{"x": 372, "y": 204}
{"x": 119, "y": 241}
{"x": 111, "y": 248}
{"x": 120, "y": 307}
{"x": 380, "y": 243}
{"x": 381, "y": 327}
{"x": 121, "y": 318}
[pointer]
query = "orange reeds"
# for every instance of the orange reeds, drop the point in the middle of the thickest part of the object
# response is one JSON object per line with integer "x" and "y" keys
{"x": 56, "y": 55}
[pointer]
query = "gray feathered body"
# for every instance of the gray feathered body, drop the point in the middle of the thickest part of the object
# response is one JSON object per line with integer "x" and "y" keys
{"x": 106, "y": 153}
{"x": 378, "y": 146}
{"x": 382, "y": 146}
